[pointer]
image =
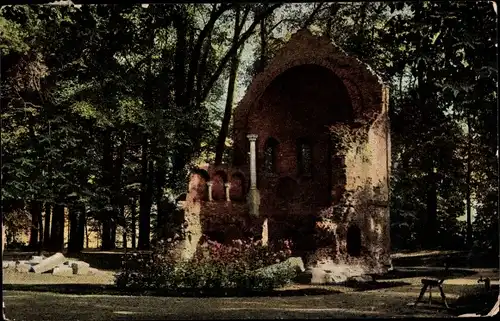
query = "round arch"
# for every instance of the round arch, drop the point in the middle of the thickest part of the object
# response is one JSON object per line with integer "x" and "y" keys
{"x": 364, "y": 88}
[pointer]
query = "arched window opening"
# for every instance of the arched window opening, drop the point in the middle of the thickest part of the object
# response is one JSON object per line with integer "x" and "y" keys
{"x": 237, "y": 188}
{"x": 218, "y": 190}
{"x": 304, "y": 157}
{"x": 354, "y": 241}
{"x": 270, "y": 155}
{"x": 197, "y": 185}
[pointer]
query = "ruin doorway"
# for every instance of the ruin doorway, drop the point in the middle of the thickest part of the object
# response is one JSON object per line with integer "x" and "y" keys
{"x": 354, "y": 241}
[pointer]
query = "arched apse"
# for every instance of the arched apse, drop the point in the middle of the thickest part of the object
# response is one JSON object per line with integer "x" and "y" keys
{"x": 354, "y": 241}
{"x": 237, "y": 188}
{"x": 198, "y": 190}
{"x": 218, "y": 188}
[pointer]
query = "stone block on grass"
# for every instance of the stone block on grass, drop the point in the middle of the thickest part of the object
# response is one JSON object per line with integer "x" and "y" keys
{"x": 23, "y": 267}
{"x": 36, "y": 259}
{"x": 80, "y": 267}
{"x": 63, "y": 270}
{"x": 69, "y": 262}
{"x": 294, "y": 263}
{"x": 93, "y": 271}
{"x": 9, "y": 264}
{"x": 318, "y": 276}
{"x": 49, "y": 263}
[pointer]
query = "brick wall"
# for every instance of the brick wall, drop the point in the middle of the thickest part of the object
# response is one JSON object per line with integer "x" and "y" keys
{"x": 309, "y": 86}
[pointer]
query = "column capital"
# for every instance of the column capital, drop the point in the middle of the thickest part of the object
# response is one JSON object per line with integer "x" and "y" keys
{"x": 252, "y": 137}
{"x": 227, "y": 184}
{"x": 209, "y": 183}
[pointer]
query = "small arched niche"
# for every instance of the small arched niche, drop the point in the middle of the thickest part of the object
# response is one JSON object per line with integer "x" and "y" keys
{"x": 198, "y": 189}
{"x": 218, "y": 189}
{"x": 354, "y": 241}
{"x": 237, "y": 188}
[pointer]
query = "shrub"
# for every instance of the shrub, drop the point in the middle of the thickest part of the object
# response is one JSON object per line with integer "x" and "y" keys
{"x": 216, "y": 268}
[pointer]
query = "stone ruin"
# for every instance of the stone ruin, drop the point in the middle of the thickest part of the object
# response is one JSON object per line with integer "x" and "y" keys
{"x": 310, "y": 163}
{"x": 56, "y": 264}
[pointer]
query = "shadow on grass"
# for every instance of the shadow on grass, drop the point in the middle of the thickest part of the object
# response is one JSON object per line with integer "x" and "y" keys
{"x": 401, "y": 273}
{"x": 373, "y": 285}
{"x": 94, "y": 289}
{"x": 478, "y": 301}
{"x": 456, "y": 259}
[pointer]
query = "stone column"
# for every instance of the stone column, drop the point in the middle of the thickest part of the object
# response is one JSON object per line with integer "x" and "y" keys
{"x": 253, "y": 161}
{"x": 253, "y": 195}
{"x": 228, "y": 186}
{"x": 209, "y": 184}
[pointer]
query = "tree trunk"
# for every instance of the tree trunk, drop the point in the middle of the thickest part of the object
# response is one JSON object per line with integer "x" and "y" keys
{"x": 82, "y": 225}
{"x": 180, "y": 62}
{"x": 118, "y": 203}
{"x": 160, "y": 200}
{"x": 234, "y": 49}
{"x": 468, "y": 181}
{"x": 40, "y": 231}
{"x": 86, "y": 236}
{"x": 430, "y": 233}
{"x": 146, "y": 194}
{"x": 187, "y": 82}
{"x": 46, "y": 234}
{"x": 263, "y": 43}
{"x": 145, "y": 200}
{"x": 224, "y": 129}
{"x": 313, "y": 15}
{"x": 36, "y": 213}
{"x": 113, "y": 233}
{"x": 106, "y": 215}
{"x": 73, "y": 230}
{"x": 124, "y": 239}
{"x": 106, "y": 243}
{"x": 57, "y": 232}
{"x": 362, "y": 12}
{"x": 133, "y": 213}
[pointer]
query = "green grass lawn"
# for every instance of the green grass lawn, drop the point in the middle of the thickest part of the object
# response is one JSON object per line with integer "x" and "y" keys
{"x": 24, "y": 305}
{"x": 30, "y": 296}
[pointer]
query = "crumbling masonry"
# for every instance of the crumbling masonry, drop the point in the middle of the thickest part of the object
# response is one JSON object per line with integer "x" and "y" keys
{"x": 311, "y": 161}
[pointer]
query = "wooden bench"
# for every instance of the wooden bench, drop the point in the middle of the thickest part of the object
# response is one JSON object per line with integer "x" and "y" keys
{"x": 433, "y": 282}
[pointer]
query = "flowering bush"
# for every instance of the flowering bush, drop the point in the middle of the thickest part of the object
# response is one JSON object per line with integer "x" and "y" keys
{"x": 215, "y": 268}
{"x": 250, "y": 254}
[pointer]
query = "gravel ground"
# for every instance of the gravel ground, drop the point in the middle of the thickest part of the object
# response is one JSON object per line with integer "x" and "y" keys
{"x": 12, "y": 277}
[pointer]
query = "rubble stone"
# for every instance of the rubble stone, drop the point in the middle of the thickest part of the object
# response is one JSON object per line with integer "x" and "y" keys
{"x": 23, "y": 267}
{"x": 49, "y": 263}
{"x": 360, "y": 278}
{"x": 318, "y": 276}
{"x": 93, "y": 271}
{"x": 294, "y": 263}
{"x": 36, "y": 259}
{"x": 80, "y": 267}
{"x": 9, "y": 264}
{"x": 63, "y": 270}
